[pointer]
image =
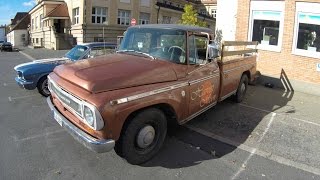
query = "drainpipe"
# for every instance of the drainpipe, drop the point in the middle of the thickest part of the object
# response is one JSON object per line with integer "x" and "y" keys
{"x": 158, "y": 14}
{"x": 84, "y": 26}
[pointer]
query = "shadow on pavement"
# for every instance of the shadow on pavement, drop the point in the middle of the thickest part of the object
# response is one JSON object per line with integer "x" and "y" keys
{"x": 235, "y": 122}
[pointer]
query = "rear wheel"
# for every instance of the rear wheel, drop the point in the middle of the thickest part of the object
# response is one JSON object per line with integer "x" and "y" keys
{"x": 43, "y": 87}
{"x": 143, "y": 137}
{"x": 242, "y": 89}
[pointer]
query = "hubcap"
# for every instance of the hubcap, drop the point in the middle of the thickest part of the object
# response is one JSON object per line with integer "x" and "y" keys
{"x": 145, "y": 136}
{"x": 243, "y": 88}
{"x": 45, "y": 87}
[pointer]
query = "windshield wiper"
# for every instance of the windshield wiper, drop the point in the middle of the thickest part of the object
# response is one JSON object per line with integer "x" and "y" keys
{"x": 138, "y": 52}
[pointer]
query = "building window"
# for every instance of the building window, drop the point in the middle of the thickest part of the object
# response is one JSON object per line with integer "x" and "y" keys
{"x": 203, "y": 11}
{"x": 36, "y": 21}
{"x": 125, "y": 1}
{"x": 40, "y": 20}
{"x": 37, "y": 40}
{"x": 145, "y": 3}
{"x": 99, "y": 15}
{"x": 266, "y": 24}
{"x": 166, "y": 20}
{"x": 265, "y": 28}
{"x": 307, "y": 30}
{"x": 124, "y": 17}
{"x": 75, "y": 16}
{"x": 23, "y": 37}
{"x": 144, "y": 18}
{"x": 214, "y": 13}
{"x": 32, "y": 24}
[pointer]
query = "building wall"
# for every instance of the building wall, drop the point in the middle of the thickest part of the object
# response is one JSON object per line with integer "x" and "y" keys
{"x": 15, "y": 37}
{"x": 227, "y": 16}
{"x": 272, "y": 63}
{"x": 86, "y": 31}
{"x": 2, "y": 33}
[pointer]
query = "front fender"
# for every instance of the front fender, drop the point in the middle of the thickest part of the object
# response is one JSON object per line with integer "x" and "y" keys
{"x": 122, "y": 112}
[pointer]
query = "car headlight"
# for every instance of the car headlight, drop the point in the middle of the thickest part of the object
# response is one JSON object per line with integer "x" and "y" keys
{"x": 88, "y": 115}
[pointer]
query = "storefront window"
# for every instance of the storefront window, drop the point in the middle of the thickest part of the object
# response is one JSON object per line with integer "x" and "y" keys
{"x": 266, "y": 32}
{"x": 265, "y": 27}
{"x": 306, "y": 40}
{"x": 308, "y": 32}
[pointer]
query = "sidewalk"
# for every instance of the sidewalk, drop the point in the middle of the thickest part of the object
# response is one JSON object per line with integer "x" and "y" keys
{"x": 42, "y": 53}
{"x": 277, "y": 125}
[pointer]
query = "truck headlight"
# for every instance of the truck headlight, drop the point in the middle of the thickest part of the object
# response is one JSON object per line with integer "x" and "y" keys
{"x": 88, "y": 116}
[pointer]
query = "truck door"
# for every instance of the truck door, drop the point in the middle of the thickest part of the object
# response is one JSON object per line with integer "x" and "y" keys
{"x": 203, "y": 76}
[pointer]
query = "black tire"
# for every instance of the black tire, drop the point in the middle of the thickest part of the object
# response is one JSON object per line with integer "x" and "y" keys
{"x": 42, "y": 87}
{"x": 128, "y": 147}
{"x": 242, "y": 89}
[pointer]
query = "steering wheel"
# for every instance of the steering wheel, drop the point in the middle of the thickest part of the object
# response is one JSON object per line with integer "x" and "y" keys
{"x": 172, "y": 56}
{"x": 176, "y": 47}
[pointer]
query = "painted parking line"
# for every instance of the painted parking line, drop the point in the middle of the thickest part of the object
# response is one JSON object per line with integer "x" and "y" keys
{"x": 6, "y": 84}
{"x": 264, "y": 154}
{"x": 38, "y": 135}
{"x": 255, "y": 150}
{"x": 26, "y": 55}
{"x": 20, "y": 97}
{"x": 266, "y": 111}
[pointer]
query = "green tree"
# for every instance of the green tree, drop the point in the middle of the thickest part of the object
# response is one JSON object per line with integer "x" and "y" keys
{"x": 190, "y": 17}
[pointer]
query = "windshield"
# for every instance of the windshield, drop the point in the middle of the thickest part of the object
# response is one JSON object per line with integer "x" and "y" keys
{"x": 165, "y": 44}
{"x": 77, "y": 52}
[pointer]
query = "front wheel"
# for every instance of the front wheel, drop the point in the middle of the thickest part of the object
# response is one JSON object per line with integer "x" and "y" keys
{"x": 143, "y": 137}
{"x": 43, "y": 87}
{"x": 242, "y": 89}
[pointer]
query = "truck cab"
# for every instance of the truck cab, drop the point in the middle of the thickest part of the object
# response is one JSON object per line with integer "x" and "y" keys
{"x": 160, "y": 73}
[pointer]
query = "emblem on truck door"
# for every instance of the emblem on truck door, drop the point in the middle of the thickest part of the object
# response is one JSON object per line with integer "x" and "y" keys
{"x": 205, "y": 93}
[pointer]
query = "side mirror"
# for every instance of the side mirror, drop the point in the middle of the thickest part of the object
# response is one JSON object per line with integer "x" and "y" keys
{"x": 213, "y": 50}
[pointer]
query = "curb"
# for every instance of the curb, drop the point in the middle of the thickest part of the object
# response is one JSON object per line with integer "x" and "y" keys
{"x": 27, "y": 55}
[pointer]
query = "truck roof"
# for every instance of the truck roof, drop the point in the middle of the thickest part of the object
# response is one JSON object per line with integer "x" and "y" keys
{"x": 91, "y": 44}
{"x": 176, "y": 26}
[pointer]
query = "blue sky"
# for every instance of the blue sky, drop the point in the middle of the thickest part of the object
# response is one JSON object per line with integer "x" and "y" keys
{"x": 9, "y": 8}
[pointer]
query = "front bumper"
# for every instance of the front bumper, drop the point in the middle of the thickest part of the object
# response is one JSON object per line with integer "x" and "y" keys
{"x": 25, "y": 84}
{"x": 6, "y": 48}
{"x": 88, "y": 141}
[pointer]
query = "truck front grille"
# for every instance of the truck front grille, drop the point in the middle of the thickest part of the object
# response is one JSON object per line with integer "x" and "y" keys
{"x": 66, "y": 98}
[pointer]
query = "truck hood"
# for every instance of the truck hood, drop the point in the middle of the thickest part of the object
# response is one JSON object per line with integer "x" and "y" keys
{"x": 116, "y": 71}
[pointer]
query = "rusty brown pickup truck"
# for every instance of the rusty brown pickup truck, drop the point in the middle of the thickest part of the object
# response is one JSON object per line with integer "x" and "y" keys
{"x": 160, "y": 73}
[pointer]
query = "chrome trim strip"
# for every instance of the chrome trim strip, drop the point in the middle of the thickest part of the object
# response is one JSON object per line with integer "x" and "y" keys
{"x": 238, "y": 68}
{"x": 228, "y": 95}
{"x": 198, "y": 113}
{"x": 203, "y": 79}
{"x": 87, "y": 140}
{"x": 146, "y": 94}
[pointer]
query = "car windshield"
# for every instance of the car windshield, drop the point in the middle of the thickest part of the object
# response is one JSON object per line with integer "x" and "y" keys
{"x": 77, "y": 52}
{"x": 165, "y": 44}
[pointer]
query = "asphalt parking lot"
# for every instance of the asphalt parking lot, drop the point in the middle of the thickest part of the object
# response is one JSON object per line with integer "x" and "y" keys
{"x": 271, "y": 135}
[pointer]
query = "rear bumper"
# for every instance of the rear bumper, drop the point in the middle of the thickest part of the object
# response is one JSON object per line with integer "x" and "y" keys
{"x": 25, "y": 84}
{"x": 88, "y": 141}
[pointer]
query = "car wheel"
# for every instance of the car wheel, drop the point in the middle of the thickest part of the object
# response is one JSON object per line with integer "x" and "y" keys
{"x": 143, "y": 137}
{"x": 242, "y": 89}
{"x": 43, "y": 87}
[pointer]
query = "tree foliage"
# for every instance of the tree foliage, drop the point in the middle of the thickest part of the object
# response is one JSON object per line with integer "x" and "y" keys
{"x": 190, "y": 17}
